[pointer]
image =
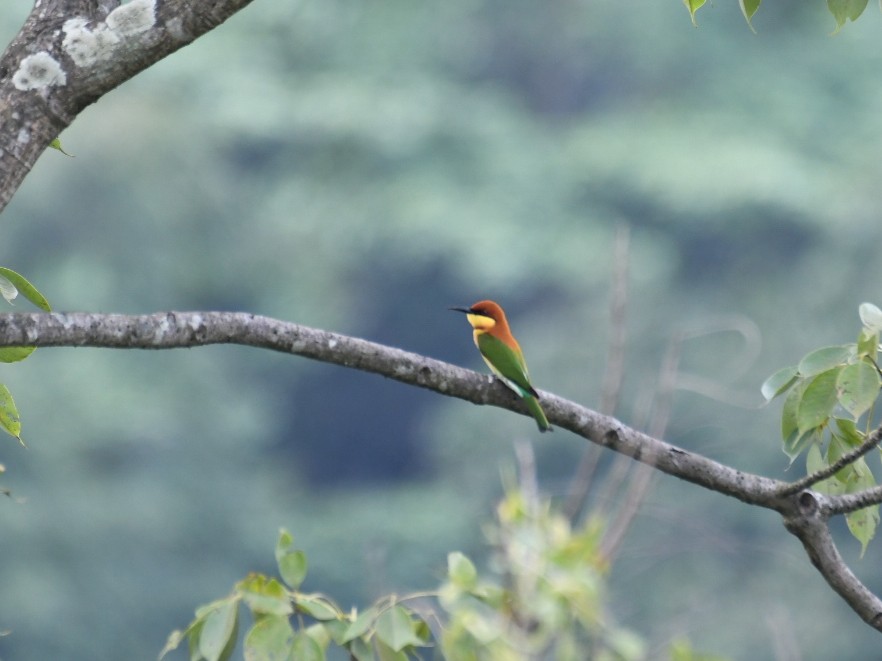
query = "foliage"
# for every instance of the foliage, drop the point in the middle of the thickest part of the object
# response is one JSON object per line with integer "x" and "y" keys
{"x": 289, "y": 624}
{"x": 11, "y": 284}
{"x": 56, "y": 144}
{"x": 544, "y": 598}
{"x": 681, "y": 650}
{"x": 828, "y": 412}
{"x": 842, "y": 10}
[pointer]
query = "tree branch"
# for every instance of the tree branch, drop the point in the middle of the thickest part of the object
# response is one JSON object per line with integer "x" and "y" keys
{"x": 169, "y": 330}
{"x": 808, "y": 522}
{"x": 852, "y": 502}
{"x": 69, "y": 53}
{"x": 805, "y": 513}
{"x": 849, "y": 457}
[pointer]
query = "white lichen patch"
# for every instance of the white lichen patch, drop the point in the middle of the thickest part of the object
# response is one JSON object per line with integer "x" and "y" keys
{"x": 24, "y": 136}
{"x": 175, "y": 28}
{"x": 38, "y": 71}
{"x": 133, "y": 17}
{"x": 86, "y": 45}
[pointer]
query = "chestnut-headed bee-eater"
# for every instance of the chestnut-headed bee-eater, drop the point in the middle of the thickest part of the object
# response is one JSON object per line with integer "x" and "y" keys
{"x": 503, "y": 354}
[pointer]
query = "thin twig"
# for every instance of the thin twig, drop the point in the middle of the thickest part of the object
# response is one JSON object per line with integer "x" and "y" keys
{"x": 642, "y": 474}
{"x": 849, "y": 457}
{"x": 613, "y": 376}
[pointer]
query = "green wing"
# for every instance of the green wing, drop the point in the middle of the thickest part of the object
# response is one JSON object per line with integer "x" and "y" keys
{"x": 506, "y": 363}
{"x": 509, "y": 366}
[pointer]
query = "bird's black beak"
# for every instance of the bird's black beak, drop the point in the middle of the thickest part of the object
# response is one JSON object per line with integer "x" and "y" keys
{"x": 466, "y": 310}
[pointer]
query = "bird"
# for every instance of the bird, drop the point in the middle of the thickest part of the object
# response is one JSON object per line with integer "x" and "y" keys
{"x": 503, "y": 354}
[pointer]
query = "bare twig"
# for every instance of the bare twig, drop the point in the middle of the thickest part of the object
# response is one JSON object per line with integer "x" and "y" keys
{"x": 642, "y": 474}
{"x": 613, "y": 376}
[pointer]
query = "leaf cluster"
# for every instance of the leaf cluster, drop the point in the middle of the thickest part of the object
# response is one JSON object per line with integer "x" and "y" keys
{"x": 828, "y": 411}
{"x": 842, "y": 10}
{"x": 11, "y": 285}
{"x": 289, "y": 624}
{"x": 543, "y": 598}
{"x": 547, "y": 598}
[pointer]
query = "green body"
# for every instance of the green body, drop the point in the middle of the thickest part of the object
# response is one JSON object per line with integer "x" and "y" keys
{"x": 508, "y": 365}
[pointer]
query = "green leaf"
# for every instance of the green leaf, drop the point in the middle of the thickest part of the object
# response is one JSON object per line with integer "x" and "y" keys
{"x": 321, "y": 632}
{"x": 9, "y": 420}
{"x": 818, "y": 400}
{"x": 270, "y": 639}
{"x": 843, "y": 10}
{"x": 26, "y": 289}
{"x": 395, "y": 628}
{"x": 862, "y": 525}
{"x": 218, "y": 635}
{"x": 693, "y": 6}
{"x": 174, "y": 639}
{"x": 15, "y": 354}
{"x": 814, "y": 460}
{"x": 193, "y": 642}
{"x": 748, "y": 9}
{"x": 857, "y": 477}
{"x": 361, "y": 650}
{"x": 778, "y": 383}
{"x": 858, "y": 386}
{"x": 7, "y": 290}
{"x": 292, "y": 567}
{"x": 318, "y": 607}
{"x": 789, "y": 421}
{"x": 305, "y": 648}
{"x": 825, "y": 358}
{"x": 292, "y": 563}
{"x": 461, "y": 571}
{"x": 56, "y": 144}
{"x": 681, "y": 650}
{"x": 386, "y": 653}
{"x": 868, "y": 344}
{"x": 847, "y": 431}
{"x": 336, "y": 629}
{"x": 871, "y": 317}
{"x": 285, "y": 542}
{"x": 798, "y": 442}
{"x": 361, "y": 625}
{"x": 265, "y": 596}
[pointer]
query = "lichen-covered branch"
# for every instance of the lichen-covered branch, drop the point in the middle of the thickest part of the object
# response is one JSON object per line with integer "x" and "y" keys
{"x": 805, "y": 512}
{"x": 69, "y": 53}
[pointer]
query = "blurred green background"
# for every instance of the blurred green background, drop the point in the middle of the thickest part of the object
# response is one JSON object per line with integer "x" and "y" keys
{"x": 360, "y": 167}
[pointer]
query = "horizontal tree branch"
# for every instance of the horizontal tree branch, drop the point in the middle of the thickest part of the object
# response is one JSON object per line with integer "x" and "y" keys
{"x": 169, "y": 330}
{"x": 805, "y": 512}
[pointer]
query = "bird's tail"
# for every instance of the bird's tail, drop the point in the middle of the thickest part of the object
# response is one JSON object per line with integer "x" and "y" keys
{"x": 536, "y": 410}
